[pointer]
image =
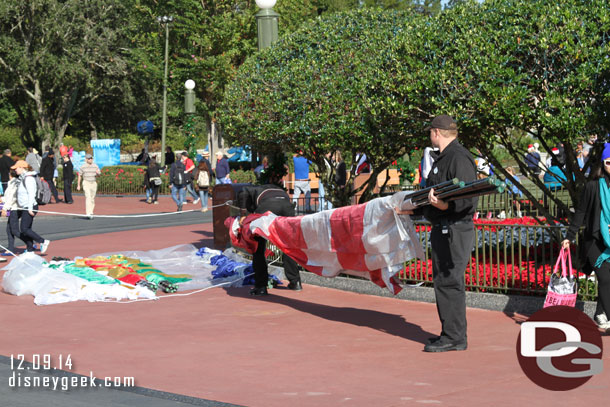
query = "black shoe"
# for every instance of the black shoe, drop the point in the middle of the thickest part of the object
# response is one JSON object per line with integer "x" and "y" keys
{"x": 59, "y": 201}
{"x": 296, "y": 286}
{"x": 258, "y": 291}
{"x": 445, "y": 345}
{"x": 433, "y": 339}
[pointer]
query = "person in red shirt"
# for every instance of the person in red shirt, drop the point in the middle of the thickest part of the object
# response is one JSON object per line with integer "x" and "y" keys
{"x": 190, "y": 166}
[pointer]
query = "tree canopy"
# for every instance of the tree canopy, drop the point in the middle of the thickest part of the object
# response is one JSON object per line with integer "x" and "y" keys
{"x": 370, "y": 80}
{"x": 509, "y": 67}
{"x": 57, "y": 58}
{"x": 330, "y": 86}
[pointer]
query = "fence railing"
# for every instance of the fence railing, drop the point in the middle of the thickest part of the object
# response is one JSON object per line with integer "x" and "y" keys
{"x": 517, "y": 259}
{"x": 507, "y": 259}
{"x": 120, "y": 187}
{"x": 502, "y": 205}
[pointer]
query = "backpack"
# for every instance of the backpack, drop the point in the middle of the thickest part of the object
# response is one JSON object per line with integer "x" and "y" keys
{"x": 203, "y": 179}
{"x": 178, "y": 178}
{"x": 43, "y": 191}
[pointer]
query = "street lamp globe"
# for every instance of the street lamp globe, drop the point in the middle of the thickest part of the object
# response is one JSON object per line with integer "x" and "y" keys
{"x": 265, "y": 4}
{"x": 189, "y": 84}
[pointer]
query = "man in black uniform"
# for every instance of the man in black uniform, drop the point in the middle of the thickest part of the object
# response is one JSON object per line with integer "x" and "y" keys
{"x": 452, "y": 236}
{"x": 260, "y": 199}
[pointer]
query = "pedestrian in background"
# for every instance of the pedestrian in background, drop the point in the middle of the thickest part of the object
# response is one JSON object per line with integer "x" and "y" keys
{"x": 68, "y": 176}
{"x": 301, "y": 181}
{"x": 169, "y": 157}
{"x": 33, "y": 159}
{"x": 153, "y": 181}
{"x": 28, "y": 207}
{"x": 325, "y": 174}
{"x": 47, "y": 171}
{"x": 593, "y": 212}
{"x": 177, "y": 182}
{"x": 10, "y": 209}
{"x": 6, "y": 162}
{"x": 203, "y": 176}
{"x": 532, "y": 160}
{"x": 88, "y": 172}
{"x": 189, "y": 168}
{"x": 340, "y": 170}
{"x": 222, "y": 169}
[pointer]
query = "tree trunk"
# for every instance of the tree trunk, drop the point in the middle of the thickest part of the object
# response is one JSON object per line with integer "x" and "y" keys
{"x": 93, "y": 133}
{"x": 43, "y": 122}
{"x": 216, "y": 141}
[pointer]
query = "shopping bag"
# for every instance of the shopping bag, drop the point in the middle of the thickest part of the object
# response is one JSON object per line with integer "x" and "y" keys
{"x": 562, "y": 288}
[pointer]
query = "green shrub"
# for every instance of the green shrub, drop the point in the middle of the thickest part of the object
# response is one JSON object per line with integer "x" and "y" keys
{"x": 9, "y": 138}
{"x": 121, "y": 180}
{"x": 243, "y": 177}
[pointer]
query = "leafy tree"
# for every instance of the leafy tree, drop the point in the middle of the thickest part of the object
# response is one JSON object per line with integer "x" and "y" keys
{"x": 329, "y": 86}
{"x": 59, "y": 58}
{"x": 509, "y": 67}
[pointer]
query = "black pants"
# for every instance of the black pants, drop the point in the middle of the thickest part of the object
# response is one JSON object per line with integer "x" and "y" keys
{"x": 155, "y": 192}
{"x": 68, "y": 190}
{"x": 451, "y": 252}
{"x": 259, "y": 264}
{"x": 12, "y": 229}
{"x": 27, "y": 234}
{"x": 594, "y": 249}
{"x": 53, "y": 189}
{"x": 603, "y": 289}
{"x": 280, "y": 207}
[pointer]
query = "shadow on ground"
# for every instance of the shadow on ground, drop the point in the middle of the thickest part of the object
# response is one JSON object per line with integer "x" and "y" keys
{"x": 389, "y": 323}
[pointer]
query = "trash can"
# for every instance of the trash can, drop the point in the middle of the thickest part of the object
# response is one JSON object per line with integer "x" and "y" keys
{"x": 220, "y": 195}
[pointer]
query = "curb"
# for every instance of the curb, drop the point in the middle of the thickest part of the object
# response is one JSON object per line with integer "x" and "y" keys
{"x": 509, "y": 304}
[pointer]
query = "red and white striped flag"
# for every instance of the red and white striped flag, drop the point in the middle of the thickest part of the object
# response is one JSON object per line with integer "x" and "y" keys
{"x": 368, "y": 240}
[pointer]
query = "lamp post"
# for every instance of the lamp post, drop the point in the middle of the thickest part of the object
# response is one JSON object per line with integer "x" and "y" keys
{"x": 189, "y": 97}
{"x": 267, "y": 29}
{"x": 266, "y": 22}
{"x": 189, "y": 110}
{"x": 164, "y": 20}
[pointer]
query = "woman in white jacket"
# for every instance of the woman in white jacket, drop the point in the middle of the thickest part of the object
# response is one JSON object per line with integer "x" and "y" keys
{"x": 10, "y": 210}
{"x": 28, "y": 207}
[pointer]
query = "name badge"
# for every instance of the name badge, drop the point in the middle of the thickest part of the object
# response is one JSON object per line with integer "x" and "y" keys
{"x": 435, "y": 170}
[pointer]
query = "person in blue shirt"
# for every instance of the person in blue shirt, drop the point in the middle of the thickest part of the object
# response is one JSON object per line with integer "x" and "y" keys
{"x": 301, "y": 180}
{"x": 222, "y": 169}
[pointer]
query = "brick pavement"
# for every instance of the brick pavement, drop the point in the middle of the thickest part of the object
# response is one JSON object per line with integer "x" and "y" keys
{"x": 318, "y": 347}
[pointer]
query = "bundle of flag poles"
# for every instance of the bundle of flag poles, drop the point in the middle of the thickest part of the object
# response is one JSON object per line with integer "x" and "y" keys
{"x": 456, "y": 189}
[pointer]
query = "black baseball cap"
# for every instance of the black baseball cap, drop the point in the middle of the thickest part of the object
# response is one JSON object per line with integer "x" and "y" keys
{"x": 443, "y": 122}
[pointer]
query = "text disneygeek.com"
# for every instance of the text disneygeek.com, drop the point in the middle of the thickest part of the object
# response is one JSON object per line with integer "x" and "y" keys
{"x": 17, "y": 380}
{"x": 32, "y": 375}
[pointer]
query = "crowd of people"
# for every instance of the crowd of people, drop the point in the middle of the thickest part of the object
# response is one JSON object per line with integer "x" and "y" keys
{"x": 22, "y": 179}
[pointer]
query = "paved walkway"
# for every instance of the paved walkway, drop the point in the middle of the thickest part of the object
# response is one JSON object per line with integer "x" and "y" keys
{"x": 318, "y": 347}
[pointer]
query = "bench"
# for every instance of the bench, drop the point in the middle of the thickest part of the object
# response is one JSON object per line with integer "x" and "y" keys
{"x": 393, "y": 174}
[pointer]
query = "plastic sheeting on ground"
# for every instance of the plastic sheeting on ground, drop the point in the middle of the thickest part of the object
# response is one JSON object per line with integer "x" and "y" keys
{"x": 30, "y": 274}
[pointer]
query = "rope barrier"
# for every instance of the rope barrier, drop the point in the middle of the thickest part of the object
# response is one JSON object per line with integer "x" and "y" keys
{"x": 80, "y": 215}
